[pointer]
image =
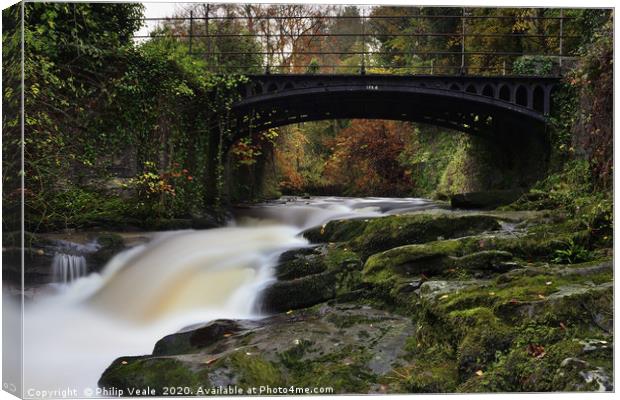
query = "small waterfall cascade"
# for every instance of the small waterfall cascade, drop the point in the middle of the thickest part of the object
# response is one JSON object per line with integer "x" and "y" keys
{"x": 68, "y": 267}
{"x": 69, "y": 261}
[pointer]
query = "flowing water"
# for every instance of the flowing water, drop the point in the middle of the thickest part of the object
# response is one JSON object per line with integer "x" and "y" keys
{"x": 175, "y": 280}
{"x": 68, "y": 267}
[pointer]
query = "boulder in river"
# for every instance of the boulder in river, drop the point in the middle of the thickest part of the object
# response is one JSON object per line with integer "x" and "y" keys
{"x": 309, "y": 276}
{"x": 345, "y": 347}
{"x": 370, "y": 236}
{"x": 486, "y": 200}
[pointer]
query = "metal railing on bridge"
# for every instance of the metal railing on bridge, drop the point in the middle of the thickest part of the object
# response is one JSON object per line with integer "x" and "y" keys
{"x": 259, "y": 43}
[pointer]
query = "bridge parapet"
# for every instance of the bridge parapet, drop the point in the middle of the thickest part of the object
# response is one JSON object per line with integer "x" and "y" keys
{"x": 531, "y": 93}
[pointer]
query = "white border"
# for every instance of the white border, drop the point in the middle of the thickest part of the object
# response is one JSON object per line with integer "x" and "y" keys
{"x": 476, "y": 3}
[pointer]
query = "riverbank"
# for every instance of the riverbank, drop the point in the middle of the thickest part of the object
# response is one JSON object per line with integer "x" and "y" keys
{"x": 423, "y": 301}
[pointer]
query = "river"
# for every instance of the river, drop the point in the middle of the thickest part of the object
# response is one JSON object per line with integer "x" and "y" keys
{"x": 175, "y": 280}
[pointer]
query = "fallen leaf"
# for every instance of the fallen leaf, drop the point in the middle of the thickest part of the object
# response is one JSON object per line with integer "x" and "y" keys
{"x": 479, "y": 372}
{"x": 445, "y": 296}
{"x": 562, "y": 326}
{"x": 211, "y": 361}
{"x": 491, "y": 293}
{"x": 289, "y": 312}
{"x": 514, "y": 301}
{"x": 548, "y": 283}
{"x": 124, "y": 362}
{"x": 536, "y": 350}
{"x": 541, "y": 296}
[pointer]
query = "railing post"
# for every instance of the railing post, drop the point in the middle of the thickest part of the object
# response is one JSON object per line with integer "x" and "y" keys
{"x": 463, "y": 42}
{"x": 208, "y": 39}
{"x": 191, "y": 28}
{"x": 504, "y": 68}
{"x": 561, "y": 37}
{"x": 363, "y": 65}
{"x": 432, "y": 67}
{"x": 267, "y": 71}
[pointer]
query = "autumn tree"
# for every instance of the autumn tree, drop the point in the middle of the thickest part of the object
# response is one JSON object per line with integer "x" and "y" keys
{"x": 365, "y": 158}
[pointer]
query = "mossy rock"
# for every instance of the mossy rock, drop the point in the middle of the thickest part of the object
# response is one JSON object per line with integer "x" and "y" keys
{"x": 110, "y": 244}
{"x": 346, "y": 266}
{"x": 526, "y": 295}
{"x": 573, "y": 304}
{"x": 298, "y": 293}
{"x": 344, "y": 346}
{"x": 250, "y": 369}
{"x": 298, "y": 263}
{"x": 336, "y": 231}
{"x": 410, "y": 261}
{"x": 556, "y": 367}
{"x": 486, "y": 260}
{"x": 486, "y": 200}
{"x": 429, "y": 377}
{"x": 480, "y": 345}
{"x": 374, "y": 235}
{"x": 196, "y": 339}
{"x": 538, "y": 245}
{"x": 128, "y": 373}
{"x": 388, "y": 232}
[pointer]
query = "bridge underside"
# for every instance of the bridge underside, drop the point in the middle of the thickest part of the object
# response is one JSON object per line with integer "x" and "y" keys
{"x": 483, "y": 117}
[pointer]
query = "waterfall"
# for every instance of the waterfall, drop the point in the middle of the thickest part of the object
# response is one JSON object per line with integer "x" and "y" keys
{"x": 68, "y": 267}
{"x": 175, "y": 280}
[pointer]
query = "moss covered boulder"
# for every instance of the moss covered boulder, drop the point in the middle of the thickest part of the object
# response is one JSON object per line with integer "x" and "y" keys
{"x": 109, "y": 245}
{"x": 336, "y": 231}
{"x": 486, "y": 200}
{"x": 298, "y": 293}
{"x": 411, "y": 261}
{"x": 535, "y": 328}
{"x": 133, "y": 375}
{"x": 298, "y": 263}
{"x": 348, "y": 348}
{"x": 309, "y": 276}
{"x": 434, "y": 258}
{"x": 371, "y": 236}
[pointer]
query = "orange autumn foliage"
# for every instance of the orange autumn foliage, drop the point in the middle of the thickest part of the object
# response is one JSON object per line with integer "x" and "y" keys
{"x": 365, "y": 158}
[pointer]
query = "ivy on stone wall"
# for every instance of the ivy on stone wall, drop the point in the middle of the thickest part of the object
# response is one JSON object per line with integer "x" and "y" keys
{"x": 106, "y": 118}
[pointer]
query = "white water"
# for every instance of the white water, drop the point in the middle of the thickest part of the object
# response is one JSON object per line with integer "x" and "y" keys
{"x": 176, "y": 280}
{"x": 68, "y": 267}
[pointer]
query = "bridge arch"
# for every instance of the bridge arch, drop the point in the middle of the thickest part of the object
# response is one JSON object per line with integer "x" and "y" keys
{"x": 485, "y": 106}
{"x": 509, "y": 112}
